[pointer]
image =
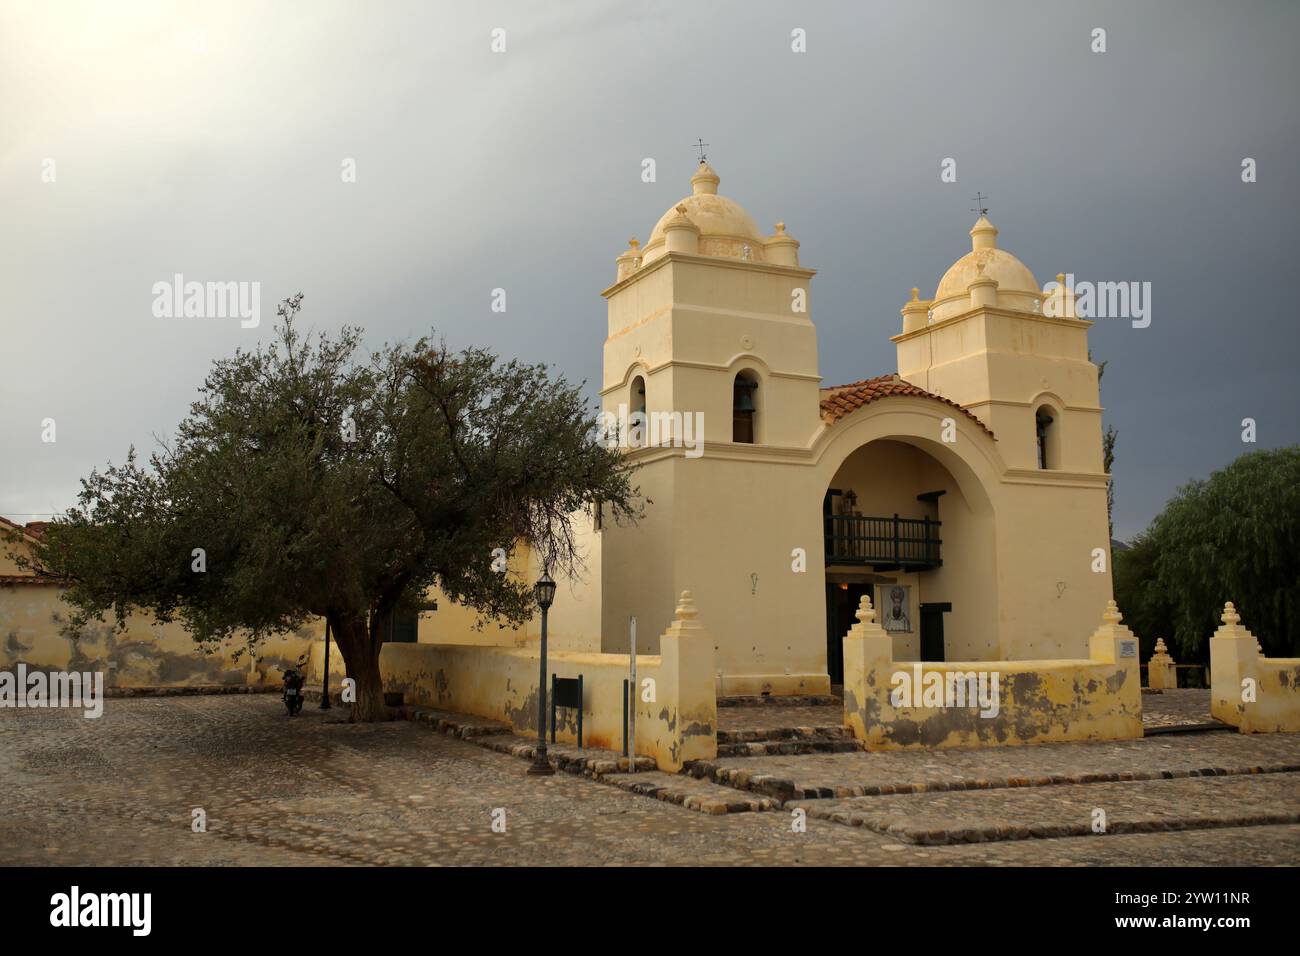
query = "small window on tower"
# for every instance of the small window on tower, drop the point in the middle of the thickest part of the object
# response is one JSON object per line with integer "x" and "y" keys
{"x": 744, "y": 409}
{"x": 1046, "y": 438}
{"x": 637, "y": 409}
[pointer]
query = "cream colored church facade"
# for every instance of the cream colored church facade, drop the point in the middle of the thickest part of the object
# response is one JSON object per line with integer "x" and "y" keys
{"x": 965, "y": 493}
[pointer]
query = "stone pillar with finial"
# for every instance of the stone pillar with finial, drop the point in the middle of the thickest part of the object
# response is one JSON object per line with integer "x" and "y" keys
{"x": 686, "y": 695}
{"x": 1114, "y": 643}
{"x": 868, "y": 661}
{"x": 983, "y": 290}
{"x": 630, "y": 260}
{"x": 1161, "y": 672}
{"x": 916, "y": 312}
{"x": 680, "y": 234}
{"x": 1234, "y": 659}
{"x": 1059, "y": 303}
{"x": 782, "y": 250}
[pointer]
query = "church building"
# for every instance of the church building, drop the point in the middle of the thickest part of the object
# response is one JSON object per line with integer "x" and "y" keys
{"x": 965, "y": 492}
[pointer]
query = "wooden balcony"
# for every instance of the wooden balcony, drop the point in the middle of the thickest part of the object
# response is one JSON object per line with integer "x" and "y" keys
{"x": 883, "y": 544}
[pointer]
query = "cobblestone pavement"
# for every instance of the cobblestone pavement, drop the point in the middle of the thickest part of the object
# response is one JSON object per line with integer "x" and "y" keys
{"x": 1182, "y": 706}
{"x": 315, "y": 790}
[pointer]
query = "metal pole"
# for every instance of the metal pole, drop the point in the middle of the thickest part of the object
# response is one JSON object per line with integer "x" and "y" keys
{"x": 632, "y": 697}
{"x": 541, "y": 763}
{"x": 325, "y": 681}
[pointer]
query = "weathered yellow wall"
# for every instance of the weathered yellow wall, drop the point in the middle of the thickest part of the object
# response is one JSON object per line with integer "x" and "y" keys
{"x": 146, "y": 654}
{"x": 1234, "y": 660}
{"x": 573, "y": 622}
{"x": 1098, "y": 698}
{"x": 150, "y": 654}
{"x": 501, "y": 683}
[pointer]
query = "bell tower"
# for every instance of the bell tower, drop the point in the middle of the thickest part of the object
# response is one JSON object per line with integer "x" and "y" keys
{"x": 710, "y": 331}
{"x": 707, "y": 299}
{"x": 987, "y": 342}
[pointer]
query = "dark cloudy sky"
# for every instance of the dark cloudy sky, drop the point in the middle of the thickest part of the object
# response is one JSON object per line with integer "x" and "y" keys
{"x": 207, "y": 139}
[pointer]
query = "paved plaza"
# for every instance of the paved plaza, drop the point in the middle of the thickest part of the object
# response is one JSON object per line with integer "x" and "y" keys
{"x": 121, "y": 790}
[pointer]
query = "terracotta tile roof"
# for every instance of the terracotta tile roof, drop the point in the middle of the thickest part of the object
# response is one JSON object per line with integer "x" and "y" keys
{"x": 839, "y": 400}
{"x": 34, "y": 530}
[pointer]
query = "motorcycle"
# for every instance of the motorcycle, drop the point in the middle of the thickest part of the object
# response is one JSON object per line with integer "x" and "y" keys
{"x": 293, "y": 683}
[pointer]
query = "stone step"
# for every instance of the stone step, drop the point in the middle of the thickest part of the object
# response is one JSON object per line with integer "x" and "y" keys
{"x": 803, "y": 745}
{"x": 844, "y": 775}
{"x": 1208, "y": 727}
{"x": 748, "y": 735}
{"x": 768, "y": 700}
{"x": 1096, "y": 809}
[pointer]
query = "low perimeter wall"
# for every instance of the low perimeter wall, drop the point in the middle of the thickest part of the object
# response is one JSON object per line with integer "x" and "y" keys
{"x": 1254, "y": 693}
{"x": 678, "y": 724}
{"x": 895, "y": 705}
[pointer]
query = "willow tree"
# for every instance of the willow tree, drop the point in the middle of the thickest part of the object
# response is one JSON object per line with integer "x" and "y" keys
{"x": 1234, "y": 537}
{"x": 308, "y": 482}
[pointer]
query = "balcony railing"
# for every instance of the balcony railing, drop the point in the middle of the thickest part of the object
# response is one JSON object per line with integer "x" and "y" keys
{"x": 883, "y": 543}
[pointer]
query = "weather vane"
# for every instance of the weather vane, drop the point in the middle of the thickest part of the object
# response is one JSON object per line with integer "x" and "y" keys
{"x": 700, "y": 144}
{"x": 980, "y": 200}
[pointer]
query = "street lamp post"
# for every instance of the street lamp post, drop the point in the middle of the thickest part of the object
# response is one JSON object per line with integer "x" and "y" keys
{"x": 544, "y": 591}
{"x": 325, "y": 681}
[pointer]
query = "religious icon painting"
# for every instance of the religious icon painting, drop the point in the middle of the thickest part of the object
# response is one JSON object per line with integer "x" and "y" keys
{"x": 896, "y": 607}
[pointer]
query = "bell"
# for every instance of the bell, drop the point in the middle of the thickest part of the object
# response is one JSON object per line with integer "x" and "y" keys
{"x": 745, "y": 397}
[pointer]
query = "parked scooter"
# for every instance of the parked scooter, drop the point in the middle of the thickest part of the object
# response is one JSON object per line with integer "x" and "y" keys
{"x": 294, "y": 678}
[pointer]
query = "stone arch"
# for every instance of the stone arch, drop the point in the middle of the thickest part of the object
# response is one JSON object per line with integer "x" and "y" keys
{"x": 875, "y": 440}
{"x": 634, "y": 368}
{"x": 973, "y": 458}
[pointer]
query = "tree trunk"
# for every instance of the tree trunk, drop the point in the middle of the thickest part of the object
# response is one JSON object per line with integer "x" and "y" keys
{"x": 360, "y": 649}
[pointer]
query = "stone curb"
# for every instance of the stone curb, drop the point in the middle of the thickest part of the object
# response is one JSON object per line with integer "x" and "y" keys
{"x": 755, "y": 700}
{"x": 691, "y": 800}
{"x": 784, "y": 733}
{"x": 1205, "y": 728}
{"x": 500, "y": 737}
{"x": 784, "y": 789}
{"x": 770, "y": 748}
{"x": 602, "y": 766}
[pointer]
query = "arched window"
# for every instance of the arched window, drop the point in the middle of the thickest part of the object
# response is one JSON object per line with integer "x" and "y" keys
{"x": 1045, "y": 435}
{"x": 744, "y": 408}
{"x": 637, "y": 413}
{"x": 636, "y": 401}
